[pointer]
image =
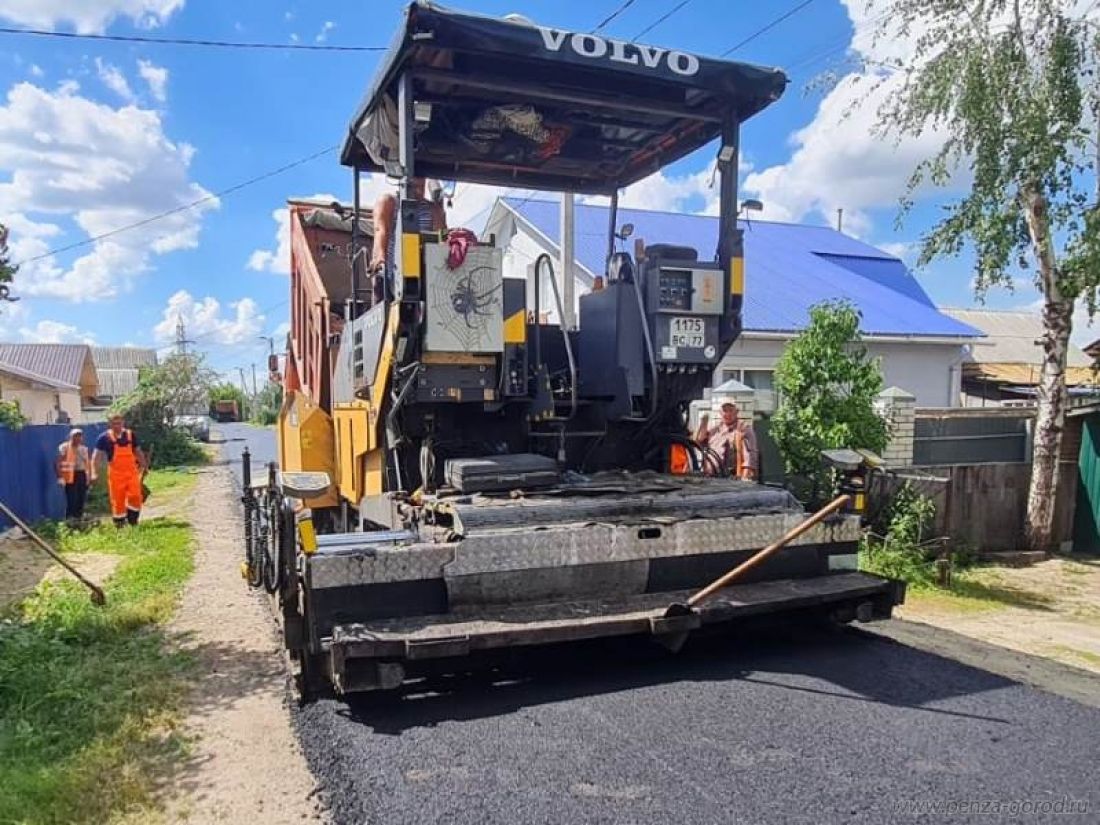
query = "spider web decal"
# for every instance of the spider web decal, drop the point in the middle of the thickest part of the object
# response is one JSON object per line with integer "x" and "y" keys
{"x": 465, "y": 305}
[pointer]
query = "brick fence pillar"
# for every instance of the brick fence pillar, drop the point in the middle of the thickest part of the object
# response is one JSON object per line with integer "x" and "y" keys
{"x": 899, "y": 408}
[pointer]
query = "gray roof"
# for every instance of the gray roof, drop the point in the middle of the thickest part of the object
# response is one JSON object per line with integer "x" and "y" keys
{"x": 122, "y": 358}
{"x": 36, "y": 379}
{"x": 51, "y": 362}
{"x": 1012, "y": 337}
{"x": 116, "y": 383}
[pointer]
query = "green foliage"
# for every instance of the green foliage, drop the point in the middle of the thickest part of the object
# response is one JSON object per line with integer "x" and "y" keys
{"x": 178, "y": 385}
{"x": 7, "y": 271}
{"x": 827, "y": 386}
{"x": 227, "y": 392}
{"x": 901, "y": 551}
{"x": 88, "y": 694}
{"x": 11, "y": 415}
{"x": 265, "y": 410}
{"x": 1012, "y": 86}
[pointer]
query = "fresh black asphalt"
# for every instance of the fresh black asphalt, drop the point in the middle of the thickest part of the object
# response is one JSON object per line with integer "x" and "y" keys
{"x": 785, "y": 725}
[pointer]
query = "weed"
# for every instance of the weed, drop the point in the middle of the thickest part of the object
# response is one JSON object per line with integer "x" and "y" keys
{"x": 88, "y": 694}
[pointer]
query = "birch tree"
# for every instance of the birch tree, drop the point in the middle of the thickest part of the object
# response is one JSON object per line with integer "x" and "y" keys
{"x": 1010, "y": 84}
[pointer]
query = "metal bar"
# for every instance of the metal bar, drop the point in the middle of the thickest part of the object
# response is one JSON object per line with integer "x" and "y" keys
{"x": 612, "y": 218}
{"x": 728, "y": 233}
{"x": 354, "y": 244}
{"x": 98, "y": 596}
{"x": 405, "y": 138}
{"x": 597, "y": 101}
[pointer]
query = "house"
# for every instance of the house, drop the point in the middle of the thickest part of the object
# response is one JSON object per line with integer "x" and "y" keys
{"x": 53, "y": 383}
{"x": 1004, "y": 366}
{"x": 118, "y": 369}
{"x": 788, "y": 269}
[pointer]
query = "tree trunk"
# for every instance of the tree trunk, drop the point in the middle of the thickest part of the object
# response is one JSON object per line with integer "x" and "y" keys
{"x": 1050, "y": 418}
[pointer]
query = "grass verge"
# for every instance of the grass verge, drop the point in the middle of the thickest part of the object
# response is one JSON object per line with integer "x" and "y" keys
{"x": 89, "y": 695}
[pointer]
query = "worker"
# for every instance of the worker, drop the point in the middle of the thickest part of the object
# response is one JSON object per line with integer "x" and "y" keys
{"x": 430, "y": 217}
{"x": 71, "y": 465}
{"x": 732, "y": 444}
{"x": 126, "y": 464}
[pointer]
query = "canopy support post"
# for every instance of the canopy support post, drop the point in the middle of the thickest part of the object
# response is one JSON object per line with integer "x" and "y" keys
{"x": 730, "y": 240}
{"x": 612, "y": 219}
{"x": 354, "y": 243}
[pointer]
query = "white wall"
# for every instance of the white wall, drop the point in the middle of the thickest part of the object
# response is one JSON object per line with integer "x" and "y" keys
{"x": 930, "y": 372}
{"x": 36, "y": 404}
{"x": 521, "y": 251}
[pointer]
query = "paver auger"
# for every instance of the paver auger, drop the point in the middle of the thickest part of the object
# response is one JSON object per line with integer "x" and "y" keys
{"x": 456, "y": 472}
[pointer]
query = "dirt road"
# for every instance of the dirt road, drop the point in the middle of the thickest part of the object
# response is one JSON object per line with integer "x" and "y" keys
{"x": 245, "y": 764}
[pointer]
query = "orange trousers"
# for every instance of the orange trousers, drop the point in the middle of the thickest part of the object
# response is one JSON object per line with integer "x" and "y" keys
{"x": 124, "y": 490}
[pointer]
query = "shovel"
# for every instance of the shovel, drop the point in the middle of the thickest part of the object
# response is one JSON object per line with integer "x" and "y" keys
{"x": 675, "y": 640}
{"x": 97, "y": 594}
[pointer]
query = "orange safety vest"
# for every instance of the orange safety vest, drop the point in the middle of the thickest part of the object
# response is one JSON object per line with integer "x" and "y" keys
{"x": 68, "y": 464}
{"x": 123, "y": 460}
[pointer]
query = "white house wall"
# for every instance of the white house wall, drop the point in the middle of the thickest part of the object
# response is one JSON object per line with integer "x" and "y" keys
{"x": 928, "y": 371}
{"x": 520, "y": 252}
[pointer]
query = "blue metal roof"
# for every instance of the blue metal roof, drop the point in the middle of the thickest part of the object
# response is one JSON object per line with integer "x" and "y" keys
{"x": 788, "y": 268}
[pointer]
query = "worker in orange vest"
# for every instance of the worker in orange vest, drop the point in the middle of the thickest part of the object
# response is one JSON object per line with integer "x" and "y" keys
{"x": 72, "y": 466}
{"x": 732, "y": 441}
{"x": 126, "y": 465}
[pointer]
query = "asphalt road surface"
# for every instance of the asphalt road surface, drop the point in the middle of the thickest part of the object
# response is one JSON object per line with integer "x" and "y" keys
{"x": 260, "y": 442}
{"x": 788, "y": 725}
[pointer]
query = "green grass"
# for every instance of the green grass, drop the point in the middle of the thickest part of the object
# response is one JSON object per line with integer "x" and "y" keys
{"x": 88, "y": 695}
{"x": 1084, "y": 655}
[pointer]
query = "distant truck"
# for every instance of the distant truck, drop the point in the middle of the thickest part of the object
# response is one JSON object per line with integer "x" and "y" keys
{"x": 226, "y": 411}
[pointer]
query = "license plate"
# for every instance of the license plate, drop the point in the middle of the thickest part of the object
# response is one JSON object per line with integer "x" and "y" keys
{"x": 686, "y": 332}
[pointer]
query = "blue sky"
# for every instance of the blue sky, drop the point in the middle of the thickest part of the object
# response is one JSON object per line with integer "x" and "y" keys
{"x": 96, "y": 135}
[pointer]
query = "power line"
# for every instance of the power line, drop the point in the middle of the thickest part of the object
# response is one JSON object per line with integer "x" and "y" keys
{"x": 184, "y": 41}
{"x": 626, "y": 5}
{"x": 185, "y": 207}
{"x": 839, "y": 44}
{"x": 665, "y": 17}
{"x": 789, "y": 13}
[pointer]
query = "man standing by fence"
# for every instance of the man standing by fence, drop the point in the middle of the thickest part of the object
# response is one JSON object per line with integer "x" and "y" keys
{"x": 125, "y": 466}
{"x": 731, "y": 445}
{"x": 72, "y": 466}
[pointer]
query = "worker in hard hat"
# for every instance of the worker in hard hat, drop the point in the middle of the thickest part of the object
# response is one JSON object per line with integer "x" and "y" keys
{"x": 126, "y": 463}
{"x": 72, "y": 466}
{"x": 430, "y": 217}
{"x": 731, "y": 444}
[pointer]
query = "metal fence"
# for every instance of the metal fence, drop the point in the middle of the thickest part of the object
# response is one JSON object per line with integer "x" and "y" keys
{"x": 28, "y": 483}
{"x": 958, "y": 437}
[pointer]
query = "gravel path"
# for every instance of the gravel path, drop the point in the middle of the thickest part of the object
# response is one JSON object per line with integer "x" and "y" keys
{"x": 246, "y": 765}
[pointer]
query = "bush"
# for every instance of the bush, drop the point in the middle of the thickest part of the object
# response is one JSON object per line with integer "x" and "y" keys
{"x": 828, "y": 386}
{"x": 163, "y": 390}
{"x": 898, "y": 545}
{"x": 11, "y": 415}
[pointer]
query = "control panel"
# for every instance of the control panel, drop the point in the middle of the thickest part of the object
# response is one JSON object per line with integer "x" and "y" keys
{"x": 684, "y": 307}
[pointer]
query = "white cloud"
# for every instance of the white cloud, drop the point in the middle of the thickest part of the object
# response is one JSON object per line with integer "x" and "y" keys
{"x": 36, "y": 70}
{"x": 277, "y": 260}
{"x": 113, "y": 78}
{"x": 88, "y": 16}
{"x": 206, "y": 323}
{"x": 12, "y": 317}
{"x": 55, "y": 332}
{"x": 288, "y": 16}
{"x": 326, "y": 27}
{"x": 294, "y": 38}
{"x": 156, "y": 77}
{"x": 839, "y": 161}
{"x": 103, "y": 168}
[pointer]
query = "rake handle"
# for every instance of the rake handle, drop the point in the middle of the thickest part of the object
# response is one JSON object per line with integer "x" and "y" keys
{"x": 756, "y": 559}
{"x": 98, "y": 596}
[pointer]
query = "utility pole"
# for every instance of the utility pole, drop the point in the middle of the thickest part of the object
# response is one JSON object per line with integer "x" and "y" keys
{"x": 255, "y": 392}
{"x": 181, "y": 336}
{"x": 244, "y": 393}
{"x": 840, "y": 220}
{"x": 568, "y": 284}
